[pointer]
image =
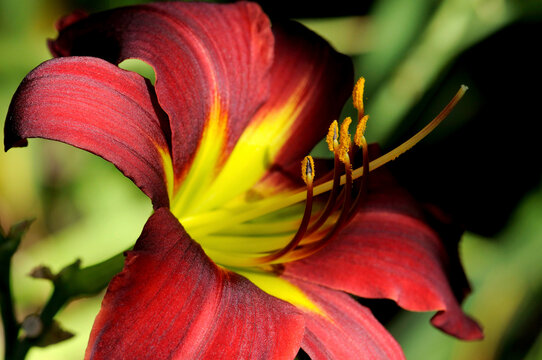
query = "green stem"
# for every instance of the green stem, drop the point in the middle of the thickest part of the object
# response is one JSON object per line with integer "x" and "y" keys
{"x": 72, "y": 282}
{"x": 9, "y": 322}
{"x": 8, "y": 245}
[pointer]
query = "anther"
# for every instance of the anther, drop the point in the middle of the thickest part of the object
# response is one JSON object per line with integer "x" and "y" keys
{"x": 307, "y": 170}
{"x": 332, "y": 137}
{"x": 357, "y": 96}
{"x": 360, "y": 130}
{"x": 344, "y": 140}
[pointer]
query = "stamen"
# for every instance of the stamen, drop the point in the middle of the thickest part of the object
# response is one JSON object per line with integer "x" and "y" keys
{"x": 344, "y": 150}
{"x": 332, "y": 199}
{"x": 333, "y": 145}
{"x": 361, "y": 142}
{"x": 316, "y": 246}
{"x": 357, "y": 97}
{"x": 307, "y": 172}
{"x": 333, "y": 136}
{"x": 360, "y": 130}
{"x": 363, "y": 186}
{"x": 345, "y": 140}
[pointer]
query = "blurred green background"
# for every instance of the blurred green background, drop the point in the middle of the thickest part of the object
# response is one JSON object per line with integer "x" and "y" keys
{"x": 482, "y": 166}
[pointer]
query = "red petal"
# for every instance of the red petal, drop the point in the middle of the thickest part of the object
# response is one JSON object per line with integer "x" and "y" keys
{"x": 309, "y": 85}
{"x": 347, "y": 330}
{"x": 171, "y": 301}
{"x": 302, "y": 58}
{"x": 91, "y": 104}
{"x": 201, "y": 53}
{"x": 388, "y": 251}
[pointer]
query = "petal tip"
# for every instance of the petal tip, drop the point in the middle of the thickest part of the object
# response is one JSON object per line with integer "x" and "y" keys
{"x": 12, "y": 137}
{"x": 69, "y": 19}
{"x": 460, "y": 326}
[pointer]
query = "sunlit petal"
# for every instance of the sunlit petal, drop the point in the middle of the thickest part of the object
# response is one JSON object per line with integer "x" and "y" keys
{"x": 91, "y": 104}
{"x": 172, "y": 301}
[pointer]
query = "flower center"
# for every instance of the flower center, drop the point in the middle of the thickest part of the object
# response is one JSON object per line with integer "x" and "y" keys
{"x": 292, "y": 225}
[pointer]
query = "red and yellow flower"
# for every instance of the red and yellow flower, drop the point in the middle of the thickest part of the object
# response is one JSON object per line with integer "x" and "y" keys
{"x": 240, "y": 258}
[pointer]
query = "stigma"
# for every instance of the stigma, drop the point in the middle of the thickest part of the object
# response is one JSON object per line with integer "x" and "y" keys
{"x": 297, "y": 224}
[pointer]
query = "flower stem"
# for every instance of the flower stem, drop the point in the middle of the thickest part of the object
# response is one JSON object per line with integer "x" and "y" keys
{"x": 72, "y": 282}
{"x": 8, "y": 245}
{"x": 9, "y": 322}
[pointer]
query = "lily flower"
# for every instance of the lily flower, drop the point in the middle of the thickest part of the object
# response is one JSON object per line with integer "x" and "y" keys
{"x": 240, "y": 259}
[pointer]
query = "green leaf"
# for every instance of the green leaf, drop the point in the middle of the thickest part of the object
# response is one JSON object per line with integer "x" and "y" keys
{"x": 10, "y": 242}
